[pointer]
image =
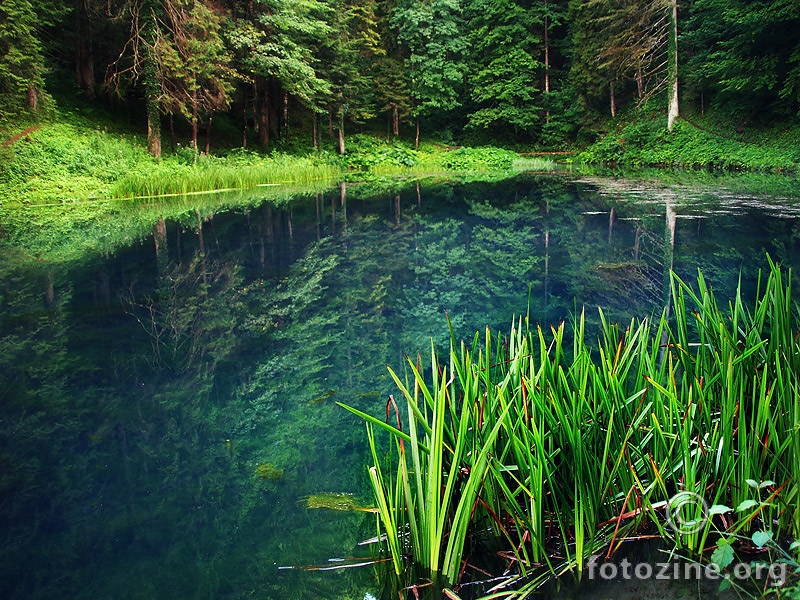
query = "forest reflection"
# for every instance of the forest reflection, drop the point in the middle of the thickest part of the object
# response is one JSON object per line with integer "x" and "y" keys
{"x": 168, "y": 405}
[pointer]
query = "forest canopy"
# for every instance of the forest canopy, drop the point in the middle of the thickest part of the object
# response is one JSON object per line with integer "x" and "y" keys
{"x": 525, "y": 72}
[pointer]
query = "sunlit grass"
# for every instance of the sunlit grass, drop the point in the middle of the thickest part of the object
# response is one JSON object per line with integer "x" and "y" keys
{"x": 206, "y": 175}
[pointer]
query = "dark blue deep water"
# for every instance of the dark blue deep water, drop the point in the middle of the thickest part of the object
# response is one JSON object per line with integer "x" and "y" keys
{"x": 168, "y": 397}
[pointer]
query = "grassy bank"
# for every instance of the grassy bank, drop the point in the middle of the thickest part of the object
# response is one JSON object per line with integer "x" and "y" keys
{"x": 640, "y": 138}
{"x": 555, "y": 447}
{"x": 73, "y": 158}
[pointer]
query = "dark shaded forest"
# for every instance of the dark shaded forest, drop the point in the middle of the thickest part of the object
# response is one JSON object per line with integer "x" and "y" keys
{"x": 543, "y": 73}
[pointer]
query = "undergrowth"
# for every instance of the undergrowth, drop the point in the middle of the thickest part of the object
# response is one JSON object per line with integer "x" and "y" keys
{"x": 74, "y": 158}
{"x": 642, "y": 139}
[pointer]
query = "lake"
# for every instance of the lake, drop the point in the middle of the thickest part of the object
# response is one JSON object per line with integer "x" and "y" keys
{"x": 169, "y": 382}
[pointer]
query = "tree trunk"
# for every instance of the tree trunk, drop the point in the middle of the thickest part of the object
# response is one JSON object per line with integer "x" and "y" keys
{"x": 341, "y": 139}
{"x": 244, "y": 120}
{"x": 416, "y": 137}
{"x": 33, "y": 98}
{"x": 194, "y": 124}
{"x": 395, "y": 121}
{"x": 262, "y": 112}
{"x": 200, "y": 240}
{"x": 613, "y": 100}
{"x": 639, "y": 78}
{"x": 160, "y": 235}
{"x": 153, "y": 127}
{"x": 84, "y": 59}
{"x": 208, "y": 133}
{"x": 152, "y": 89}
{"x": 674, "y": 111}
{"x": 286, "y": 115}
{"x": 546, "y": 51}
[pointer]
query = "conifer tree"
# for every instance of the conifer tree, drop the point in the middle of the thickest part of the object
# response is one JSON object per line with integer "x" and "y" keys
{"x": 21, "y": 59}
{"x": 276, "y": 45}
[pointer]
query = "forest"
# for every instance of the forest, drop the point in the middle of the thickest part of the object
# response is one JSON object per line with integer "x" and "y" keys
{"x": 543, "y": 74}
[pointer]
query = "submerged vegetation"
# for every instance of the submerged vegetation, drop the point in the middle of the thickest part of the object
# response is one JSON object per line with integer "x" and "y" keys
{"x": 544, "y": 448}
{"x": 170, "y": 367}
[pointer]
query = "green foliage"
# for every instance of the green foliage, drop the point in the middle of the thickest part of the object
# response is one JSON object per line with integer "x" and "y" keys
{"x": 196, "y": 77}
{"x": 545, "y": 437}
{"x": 705, "y": 143}
{"x": 21, "y": 58}
{"x": 470, "y": 159}
{"x": 364, "y": 152}
{"x": 269, "y": 472}
{"x": 210, "y": 174}
{"x": 277, "y": 40}
{"x": 506, "y": 71}
{"x": 354, "y": 49}
{"x": 747, "y": 53}
{"x": 433, "y": 33}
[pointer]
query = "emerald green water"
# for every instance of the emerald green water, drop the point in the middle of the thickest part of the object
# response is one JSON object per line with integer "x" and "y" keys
{"x": 167, "y": 399}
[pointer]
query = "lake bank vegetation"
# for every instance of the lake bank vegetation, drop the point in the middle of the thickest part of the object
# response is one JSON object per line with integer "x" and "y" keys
{"x": 706, "y": 83}
{"x": 75, "y": 159}
{"x": 549, "y": 449}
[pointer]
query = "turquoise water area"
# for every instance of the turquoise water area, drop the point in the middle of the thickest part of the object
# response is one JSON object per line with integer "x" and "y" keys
{"x": 168, "y": 405}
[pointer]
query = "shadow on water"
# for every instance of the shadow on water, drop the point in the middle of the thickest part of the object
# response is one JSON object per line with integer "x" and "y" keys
{"x": 168, "y": 404}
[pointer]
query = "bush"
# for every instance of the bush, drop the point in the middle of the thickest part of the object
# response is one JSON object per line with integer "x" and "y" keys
{"x": 695, "y": 143}
{"x": 366, "y": 151}
{"x": 476, "y": 159}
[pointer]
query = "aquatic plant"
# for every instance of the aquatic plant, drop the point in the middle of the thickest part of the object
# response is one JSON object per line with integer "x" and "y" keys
{"x": 562, "y": 450}
{"x": 336, "y": 501}
{"x": 269, "y": 472}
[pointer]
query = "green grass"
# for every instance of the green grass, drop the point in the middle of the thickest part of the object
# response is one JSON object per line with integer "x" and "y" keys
{"x": 73, "y": 158}
{"x": 640, "y": 138}
{"x": 562, "y": 446}
{"x": 240, "y": 171}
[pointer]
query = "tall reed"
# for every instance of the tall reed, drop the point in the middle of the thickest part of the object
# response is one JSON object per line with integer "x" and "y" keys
{"x": 561, "y": 449}
{"x": 171, "y": 177}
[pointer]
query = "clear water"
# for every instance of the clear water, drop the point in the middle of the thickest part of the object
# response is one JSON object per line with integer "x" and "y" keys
{"x": 168, "y": 405}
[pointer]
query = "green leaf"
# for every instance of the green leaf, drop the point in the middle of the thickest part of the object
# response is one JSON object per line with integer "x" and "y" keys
{"x": 762, "y": 538}
{"x": 725, "y": 584}
{"x": 746, "y": 505}
{"x": 719, "y": 509}
{"x": 752, "y": 483}
{"x": 723, "y": 554}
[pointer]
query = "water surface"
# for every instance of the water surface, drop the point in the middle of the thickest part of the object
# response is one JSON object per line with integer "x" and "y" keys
{"x": 167, "y": 399}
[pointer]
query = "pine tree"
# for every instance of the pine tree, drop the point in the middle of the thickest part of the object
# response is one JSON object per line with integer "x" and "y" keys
{"x": 746, "y": 54}
{"x": 194, "y": 71}
{"x": 276, "y": 44}
{"x": 351, "y": 60}
{"x": 21, "y": 59}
